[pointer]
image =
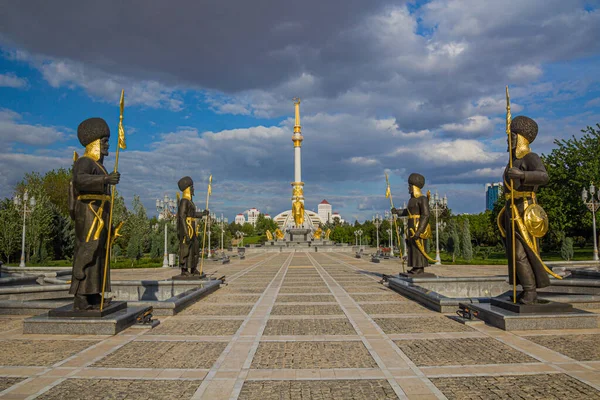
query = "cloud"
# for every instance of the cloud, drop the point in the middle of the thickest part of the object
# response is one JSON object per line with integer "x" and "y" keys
{"x": 12, "y": 130}
{"x": 477, "y": 125}
{"x": 13, "y": 81}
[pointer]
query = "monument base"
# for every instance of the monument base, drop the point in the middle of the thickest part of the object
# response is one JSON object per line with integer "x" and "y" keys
{"x": 569, "y": 318}
{"x": 541, "y": 307}
{"x": 110, "y": 324}
{"x": 420, "y": 275}
{"x": 188, "y": 277}
{"x": 68, "y": 311}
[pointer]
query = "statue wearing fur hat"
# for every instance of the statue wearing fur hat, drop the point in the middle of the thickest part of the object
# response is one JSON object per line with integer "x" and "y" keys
{"x": 89, "y": 205}
{"x": 418, "y": 227}
{"x": 528, "y": 174}
{"x": 186, "y": 229}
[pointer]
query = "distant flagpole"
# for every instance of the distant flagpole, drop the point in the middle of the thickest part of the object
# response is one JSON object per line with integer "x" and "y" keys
{"x": 208, "y": 193}
{"x": 388, "y": 195}
{"x": 120, "y": 145}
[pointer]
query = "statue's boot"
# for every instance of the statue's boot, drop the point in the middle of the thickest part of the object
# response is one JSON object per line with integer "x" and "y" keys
{"x": 526, "y": 278}
{"x": 416, "y": 271}
{"x": 529, "y": 297}
{"x": 195, "y": 272}
{"x": 185, "y": 272}
{"x": 81, "y": 302}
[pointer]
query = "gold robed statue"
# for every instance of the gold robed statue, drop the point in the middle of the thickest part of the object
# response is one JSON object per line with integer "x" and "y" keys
{"x": 279, "y": 234}
{"x": 269, "y": 235}
{"x": 318, "y": 233}
{"x": 298, "y": 212}
{"x": 327, "y": 233}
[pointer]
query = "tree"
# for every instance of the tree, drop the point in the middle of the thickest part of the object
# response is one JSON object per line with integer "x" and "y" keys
{"x": 467, "y": 246}
{"x": 571, "y": 166}
{"x": 10, "y": 232}
{"x": 138, "y": 230}
{"x": 566, "y": 250}
{"x": 263, "y": 224}
{"x": 248, "y": 229}
{"x": 453, "y": 244}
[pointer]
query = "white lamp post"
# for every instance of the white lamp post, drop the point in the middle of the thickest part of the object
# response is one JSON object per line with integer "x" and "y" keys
{"x": 438, "y": 205}
{"x": 25, "y": 201}
{"x": 592, "y": 205}
{"x": 377, "y": 222}
{"x": 166, "y": 208}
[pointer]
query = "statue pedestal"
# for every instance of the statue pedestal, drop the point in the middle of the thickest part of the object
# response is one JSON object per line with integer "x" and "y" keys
{"x": 68, "y": 311}
{"x": 299, "y": 234}
{"x": 70, "y": 322}
{"x": 188, "y": 277}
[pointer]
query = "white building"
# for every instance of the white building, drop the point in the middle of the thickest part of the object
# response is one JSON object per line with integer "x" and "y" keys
{"x": 267, "y": 216}
{"x": 337, "y": 215}
{"x": 325, "y": 211}
{"x": 252, "y": 215}
{"x": 240, "y": 219}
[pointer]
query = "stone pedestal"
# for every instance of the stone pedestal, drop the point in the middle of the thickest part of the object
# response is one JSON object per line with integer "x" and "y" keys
{"x": 421, "y": 275}
{"x": 554, "y": 317}
{"x": 68, "y": 311}
{"x": 109, "y": 324}
{"x": 541, "y": 307}
{"x": 188, "y": 277}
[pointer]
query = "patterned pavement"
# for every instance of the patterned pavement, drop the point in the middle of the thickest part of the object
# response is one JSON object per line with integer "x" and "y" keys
{"x": 303, "y": 326}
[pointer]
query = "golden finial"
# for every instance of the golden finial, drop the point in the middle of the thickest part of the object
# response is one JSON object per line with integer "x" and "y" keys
{"x": 297, "y": 109}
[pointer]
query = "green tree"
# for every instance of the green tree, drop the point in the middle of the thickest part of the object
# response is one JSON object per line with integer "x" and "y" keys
{"x": 10, "y": 230}
{"x": 467, "y": 246}
{"x": 571, "y": 166}
{"x": 248, "y": 229}
{"x": 566, "y": 250}
{"x": 263, "y": 224}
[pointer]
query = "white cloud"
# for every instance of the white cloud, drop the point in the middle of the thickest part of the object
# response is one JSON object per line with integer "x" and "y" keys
{"x": 13, "y": 130}
{"x": 477, "y": 125}
{"x": 13, "y": 81}
{"x": 363, "y": 161}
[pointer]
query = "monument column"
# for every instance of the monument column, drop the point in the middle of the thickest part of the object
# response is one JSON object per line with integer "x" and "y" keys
{"x": 297, "y": 185}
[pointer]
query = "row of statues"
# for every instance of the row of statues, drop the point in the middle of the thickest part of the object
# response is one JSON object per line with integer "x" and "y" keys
{"x": 522, "y": 221}
{"x": 521, "y": 216}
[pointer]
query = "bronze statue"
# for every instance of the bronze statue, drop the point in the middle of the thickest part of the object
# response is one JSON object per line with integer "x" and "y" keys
{"x": 419, "y": 230}
{"x": 530, "y": 221}
{"x": 89, "y": 206}
{"x": 186, "y": 229}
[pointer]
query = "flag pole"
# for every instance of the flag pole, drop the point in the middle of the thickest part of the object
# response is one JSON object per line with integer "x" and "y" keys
{"x": 512, "y": 198}
{"x": 120, "y": 145}
{"x": 208, "y": 193}
{"x": 388, "y": 194}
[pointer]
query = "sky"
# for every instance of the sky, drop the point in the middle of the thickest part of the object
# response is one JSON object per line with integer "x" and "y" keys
{"x": 386, "y": 86}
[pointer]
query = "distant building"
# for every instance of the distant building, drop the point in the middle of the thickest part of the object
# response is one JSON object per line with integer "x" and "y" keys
{"x": 253, "y": 214}
{"x": 240, "y": 219}
{"x": 267, "y": 216}
{"x": 324, "y": 211}
{"x": 492, "y": 192}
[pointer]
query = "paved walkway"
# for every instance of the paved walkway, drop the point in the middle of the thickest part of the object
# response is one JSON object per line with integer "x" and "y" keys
{"x": 303, "y": 326}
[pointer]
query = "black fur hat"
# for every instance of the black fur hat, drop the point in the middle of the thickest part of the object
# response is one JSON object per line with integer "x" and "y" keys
{"x": 416, "y": 179}
{"x": 525, "y": 127}
{"x": 185, "y": 183}
{"x": 92, "y": 129}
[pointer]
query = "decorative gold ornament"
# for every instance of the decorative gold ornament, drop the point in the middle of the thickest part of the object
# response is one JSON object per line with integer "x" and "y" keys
{"x": 318, "y": 233}
{"x": 327, "y": 233}
{"x": 269, "y": 235}
{"x": 298, "y": 190}
{"x": 417, "y": 192}
{"x": 92, "y": 150}
{"x": 298, "y": 212}
{"x": 279, "y": 234}
{"x": 536, "y": 220}
{"x": 187, "y": 193}
{"x": 522, "y": 147}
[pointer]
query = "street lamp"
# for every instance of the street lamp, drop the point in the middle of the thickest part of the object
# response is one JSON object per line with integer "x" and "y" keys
{"x": 25, "y": 201}
{"x": 166, "y": 210}
{"x": 437, "y": 205}
{"x": 390, "y": 216}
{"x": 377, "y": 222}
{"x": 592, "y": 205}
{"x": 222, "y": 221}
{"x": 356, "y": 238}
{"x": 404, "y": 223}
{"x": 240, "y": 235}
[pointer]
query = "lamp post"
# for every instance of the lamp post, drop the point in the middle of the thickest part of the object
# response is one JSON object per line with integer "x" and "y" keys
{"x": 390, "y": 217}
{"x": 166, "y": 209}
{"x": 437, "y": 205}
{"x": 592, "y": 205}
{"x": 222, "y": 221}
{"x": 240, "y": 235}
{"x": 377, "y": 222}
{"x": 404, "y": 223}
{"x": 25, "y": 201}
{"x": 356, "y": 238}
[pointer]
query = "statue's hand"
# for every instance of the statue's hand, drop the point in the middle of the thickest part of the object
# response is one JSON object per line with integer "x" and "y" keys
{"x": 515, "y": 173}
{"x": 205, "y": 212}
{"x": 113, "y": 178}
{"x": 394, "y": 210}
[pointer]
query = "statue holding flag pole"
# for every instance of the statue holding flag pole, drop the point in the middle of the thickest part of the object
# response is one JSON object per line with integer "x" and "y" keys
{"x": 186, "y": 230}
{"x": 90, "y": 205}
{"x": 388, "y": 195}
{"x": 522, "y": 221}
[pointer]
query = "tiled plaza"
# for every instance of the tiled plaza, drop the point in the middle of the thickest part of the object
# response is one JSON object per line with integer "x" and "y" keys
{"x": 303, "y": 326}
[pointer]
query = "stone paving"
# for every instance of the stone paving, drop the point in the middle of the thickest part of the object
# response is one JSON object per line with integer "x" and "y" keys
{"x": 303, "y": 326}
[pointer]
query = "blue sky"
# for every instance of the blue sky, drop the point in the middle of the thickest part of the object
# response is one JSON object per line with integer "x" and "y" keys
{"x": 385, "y": 86}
